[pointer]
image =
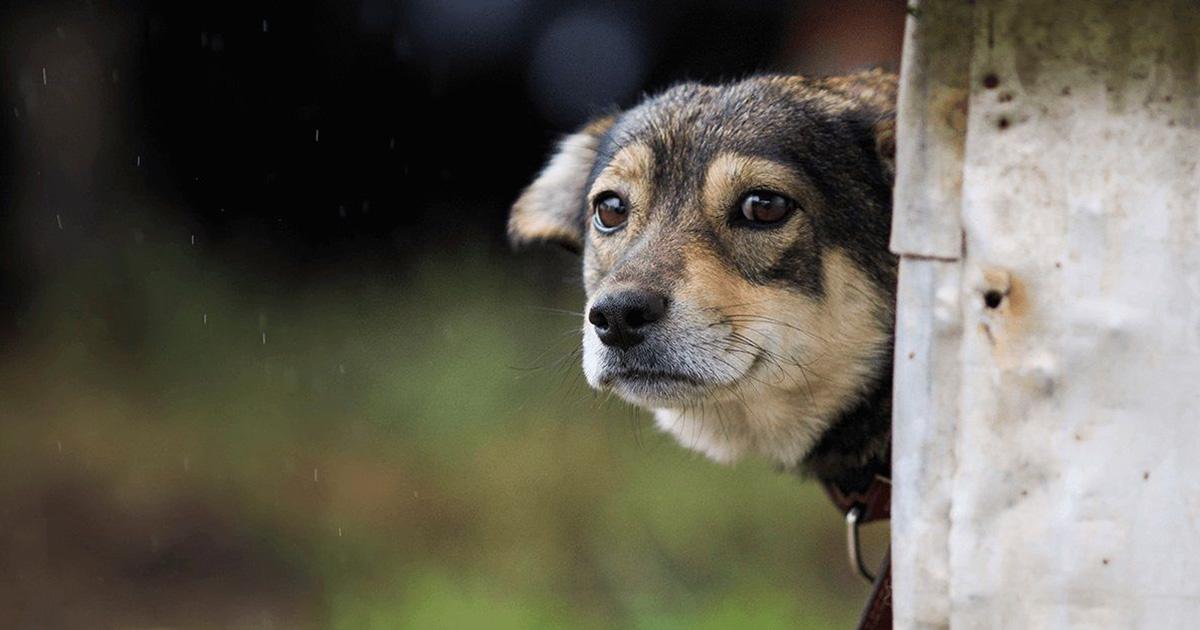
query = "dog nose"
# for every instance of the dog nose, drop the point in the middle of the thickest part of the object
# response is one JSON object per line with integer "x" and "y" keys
{"x": 621, "y": 317}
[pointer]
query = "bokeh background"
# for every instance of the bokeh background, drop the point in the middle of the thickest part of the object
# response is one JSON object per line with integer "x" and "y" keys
{"x": 267, "y": 360}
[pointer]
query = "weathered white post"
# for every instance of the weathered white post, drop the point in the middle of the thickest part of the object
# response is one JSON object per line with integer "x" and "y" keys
{"x": 1047, "y": 427}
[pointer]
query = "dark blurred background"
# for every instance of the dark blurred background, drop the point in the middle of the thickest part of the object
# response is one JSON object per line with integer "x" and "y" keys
{"x": 268, "y": 361}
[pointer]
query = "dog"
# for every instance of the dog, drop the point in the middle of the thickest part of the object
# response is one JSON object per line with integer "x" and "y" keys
{"x": 735, "y": 257}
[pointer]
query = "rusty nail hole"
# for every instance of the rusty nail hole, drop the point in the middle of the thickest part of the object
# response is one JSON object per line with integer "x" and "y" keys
{"x": 990, "y": 80}
{"x": 1105, "y": 560}
{"x": 1002, "y": 123}
{"x": 993, "y": 298}
{"x": 1146, "y": 475}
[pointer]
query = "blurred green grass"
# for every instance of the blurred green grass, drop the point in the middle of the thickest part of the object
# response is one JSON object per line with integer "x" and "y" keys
{"x": 373, "y": 450}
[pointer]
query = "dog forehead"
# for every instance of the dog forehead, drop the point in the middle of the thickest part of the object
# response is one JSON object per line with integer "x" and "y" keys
{"x": 683, "y": 129}
{"x": 694, "y": 120}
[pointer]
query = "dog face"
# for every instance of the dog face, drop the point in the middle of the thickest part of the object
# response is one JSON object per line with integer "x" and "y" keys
{"x": 735, "y": 258}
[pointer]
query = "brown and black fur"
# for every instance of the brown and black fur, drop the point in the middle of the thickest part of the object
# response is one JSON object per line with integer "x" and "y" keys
{"x": 799, "y": 313}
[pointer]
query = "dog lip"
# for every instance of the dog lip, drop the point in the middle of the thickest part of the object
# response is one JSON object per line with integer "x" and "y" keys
{"x": 636, "y": 374}
{"x": 651, "y": 376}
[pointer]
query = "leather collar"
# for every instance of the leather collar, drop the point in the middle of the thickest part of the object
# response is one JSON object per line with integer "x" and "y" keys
{"x": 872, "y": 504}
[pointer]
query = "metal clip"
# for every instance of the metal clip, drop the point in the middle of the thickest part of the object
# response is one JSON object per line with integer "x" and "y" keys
{"x": 852, "y": 545}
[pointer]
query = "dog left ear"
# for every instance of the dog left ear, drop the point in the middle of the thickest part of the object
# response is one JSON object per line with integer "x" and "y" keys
{"x": 550, "y": 209}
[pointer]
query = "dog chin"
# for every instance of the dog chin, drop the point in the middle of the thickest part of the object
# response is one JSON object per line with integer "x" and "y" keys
{"x": 651, "y": 381}
{"x": 657, "y": 389}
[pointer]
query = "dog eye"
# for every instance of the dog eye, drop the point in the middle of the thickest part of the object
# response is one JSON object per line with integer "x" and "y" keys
{"x": 760, "y": 207}
{"x": 610, "y": 212}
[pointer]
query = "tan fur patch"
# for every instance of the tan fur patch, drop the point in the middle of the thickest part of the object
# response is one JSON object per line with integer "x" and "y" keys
{"x": 629, "y": 174}
{"x": 814, "y": 359}
{"x": 730, "y": 175}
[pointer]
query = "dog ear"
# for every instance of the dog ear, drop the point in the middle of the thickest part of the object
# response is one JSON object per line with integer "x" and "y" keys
{"x": 550, "y": 209}
{"x": 874, "y": 93}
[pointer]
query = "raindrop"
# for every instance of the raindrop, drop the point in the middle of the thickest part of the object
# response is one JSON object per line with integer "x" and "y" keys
{"x": 341, "y": 368}
{"x": 264, "y": 338}
{"x": 204, "y": 319}
{"x": 193, "y": 239}
{"x": 204, "y": 40}
{"x": 316, "y": 135}
{"x": 16, "y": 112}
{"x": 58, "y": 217}
{"x": 339, "y": 532}
{"x": 59, "y": 443}
{"x": 264, "y": 25}
{"x": 139, "y": 161}
{"x": 43, "y": 75}
{"x": 316, "y": 476}
{"x": 342, "y": 211}
{"x": 391, "y": 143}
{"x": 187, "y": 463}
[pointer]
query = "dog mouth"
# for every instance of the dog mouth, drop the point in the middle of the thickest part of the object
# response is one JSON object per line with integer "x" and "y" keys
{"x": 656, "y": 386}
{"x": 650, "y": 377}
{"x": 673, "y": 367}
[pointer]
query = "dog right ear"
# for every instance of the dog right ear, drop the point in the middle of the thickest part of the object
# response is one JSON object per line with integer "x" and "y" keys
{"x": 551, "y": 208}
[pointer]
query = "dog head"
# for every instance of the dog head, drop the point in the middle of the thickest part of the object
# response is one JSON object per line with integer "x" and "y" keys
{"x": 735, "y": 258}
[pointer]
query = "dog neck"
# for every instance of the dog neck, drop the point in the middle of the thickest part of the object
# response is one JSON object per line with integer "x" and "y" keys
{"x": 857, "y": 446}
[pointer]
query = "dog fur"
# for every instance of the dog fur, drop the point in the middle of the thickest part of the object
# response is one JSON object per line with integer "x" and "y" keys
{"x": 776, "y": 340}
